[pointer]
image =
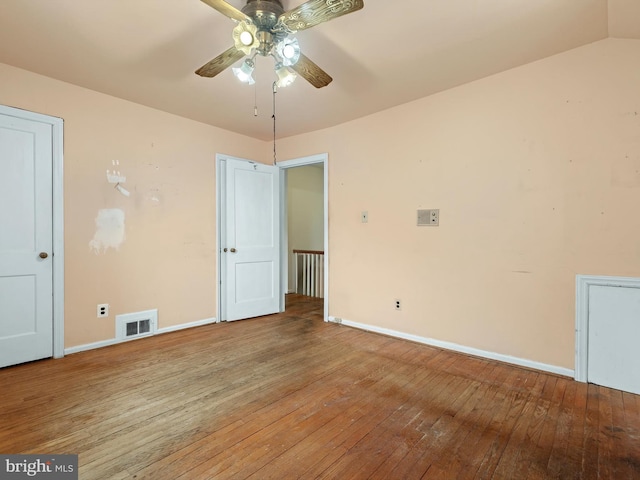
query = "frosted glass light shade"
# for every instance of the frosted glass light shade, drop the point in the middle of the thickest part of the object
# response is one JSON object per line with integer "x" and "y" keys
{"x": 285, "y": 76}
{"x": 289, "y": 51}
{"x": 245, "y": 37}
{"x": 244, "y": 72}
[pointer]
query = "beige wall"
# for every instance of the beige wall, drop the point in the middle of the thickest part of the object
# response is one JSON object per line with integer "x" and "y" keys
{"x": 305, "y": 212}
{"x": 536, "y": 172}
{"x": 167, "y": 260}
{"x": 623, "y": 18}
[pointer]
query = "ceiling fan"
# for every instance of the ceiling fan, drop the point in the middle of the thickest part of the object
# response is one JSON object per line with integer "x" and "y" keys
{"x": 264, "y": 28}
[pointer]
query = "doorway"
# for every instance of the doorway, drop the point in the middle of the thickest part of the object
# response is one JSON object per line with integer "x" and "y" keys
{"x": 225, "y": 297}
{"x": 319, "y": 167}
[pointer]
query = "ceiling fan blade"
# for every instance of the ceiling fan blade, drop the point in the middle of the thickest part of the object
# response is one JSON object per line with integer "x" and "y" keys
{"x": 311, "y": 72}
{"x": 313, "y": 12}
{"x": 218, "y": 64}
{"x": 227, "y": 10}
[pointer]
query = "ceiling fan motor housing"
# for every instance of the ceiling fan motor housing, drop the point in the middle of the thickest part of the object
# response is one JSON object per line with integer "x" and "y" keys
{"x": 265, "y": 15}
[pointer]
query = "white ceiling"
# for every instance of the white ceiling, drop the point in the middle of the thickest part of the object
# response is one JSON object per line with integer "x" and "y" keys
{"x": 389, "y": 53}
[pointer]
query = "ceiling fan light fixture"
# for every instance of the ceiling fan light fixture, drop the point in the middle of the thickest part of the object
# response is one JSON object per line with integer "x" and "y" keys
{"x": 264, "y": 28}
{"x": 245, "y": 37}
{"x": 285, "y": 76}
{"x": 245, "y": 71}
{"x": 289, "y": 51}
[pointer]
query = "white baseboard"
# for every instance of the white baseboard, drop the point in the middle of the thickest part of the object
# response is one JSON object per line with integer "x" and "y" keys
{"x": 182, "y": 326}
{"x": 114, "y": 341}
{"x": 458, "y": 348}
{"x": 91, "y": 346}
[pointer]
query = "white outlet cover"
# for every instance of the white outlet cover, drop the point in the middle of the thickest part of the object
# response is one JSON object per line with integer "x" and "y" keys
{"x": 102, "y": 310}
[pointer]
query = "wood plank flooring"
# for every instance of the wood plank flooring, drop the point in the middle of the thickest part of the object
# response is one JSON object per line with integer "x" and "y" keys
{"x": 291, "y": 397}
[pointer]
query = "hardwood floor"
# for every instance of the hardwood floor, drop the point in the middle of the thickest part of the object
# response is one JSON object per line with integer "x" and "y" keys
{"x": 289, "y": 396}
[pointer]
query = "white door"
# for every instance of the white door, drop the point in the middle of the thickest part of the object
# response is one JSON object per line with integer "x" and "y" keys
{"x": 26, "y": 281}
{"x": 251, "y": 240}
{"x": 614, "y": 337}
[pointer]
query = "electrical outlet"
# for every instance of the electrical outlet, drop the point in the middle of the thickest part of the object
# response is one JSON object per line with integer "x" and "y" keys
{"x": 398, "y": 305}
{"x": 364, "y": 216}
{"x": 103, "y": 310}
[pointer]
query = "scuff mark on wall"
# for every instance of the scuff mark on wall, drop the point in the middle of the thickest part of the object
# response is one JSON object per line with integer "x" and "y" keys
{"x": 115, "y": 177}
{"x": 109, "y": 231}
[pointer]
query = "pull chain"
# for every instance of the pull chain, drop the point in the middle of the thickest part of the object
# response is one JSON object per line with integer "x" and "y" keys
{"x": 275, "y": 90}
{"x": 255, "y": 100}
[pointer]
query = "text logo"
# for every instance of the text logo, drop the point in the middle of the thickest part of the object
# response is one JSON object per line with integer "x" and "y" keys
{"x": 50, "y": 467}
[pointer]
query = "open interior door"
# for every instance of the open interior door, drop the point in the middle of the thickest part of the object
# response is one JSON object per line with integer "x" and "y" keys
{"x": 250, "y": 240}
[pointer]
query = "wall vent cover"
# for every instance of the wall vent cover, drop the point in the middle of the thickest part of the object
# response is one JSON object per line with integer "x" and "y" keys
{"x": 136, "y": 325}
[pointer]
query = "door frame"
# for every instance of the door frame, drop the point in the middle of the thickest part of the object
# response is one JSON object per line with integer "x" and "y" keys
{"x": 284, "y": 254}
{"x": 57, "y": 149}
{"x": 220, "y": 225}
{"x": 283, "y": 165}
{"x": 583, "y": 284}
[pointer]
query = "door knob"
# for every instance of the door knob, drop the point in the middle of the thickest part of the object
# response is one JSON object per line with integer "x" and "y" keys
{"x": 233, "y": 250}
{"x": 225, "y": 250}
{"x": 43, "y": 255}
